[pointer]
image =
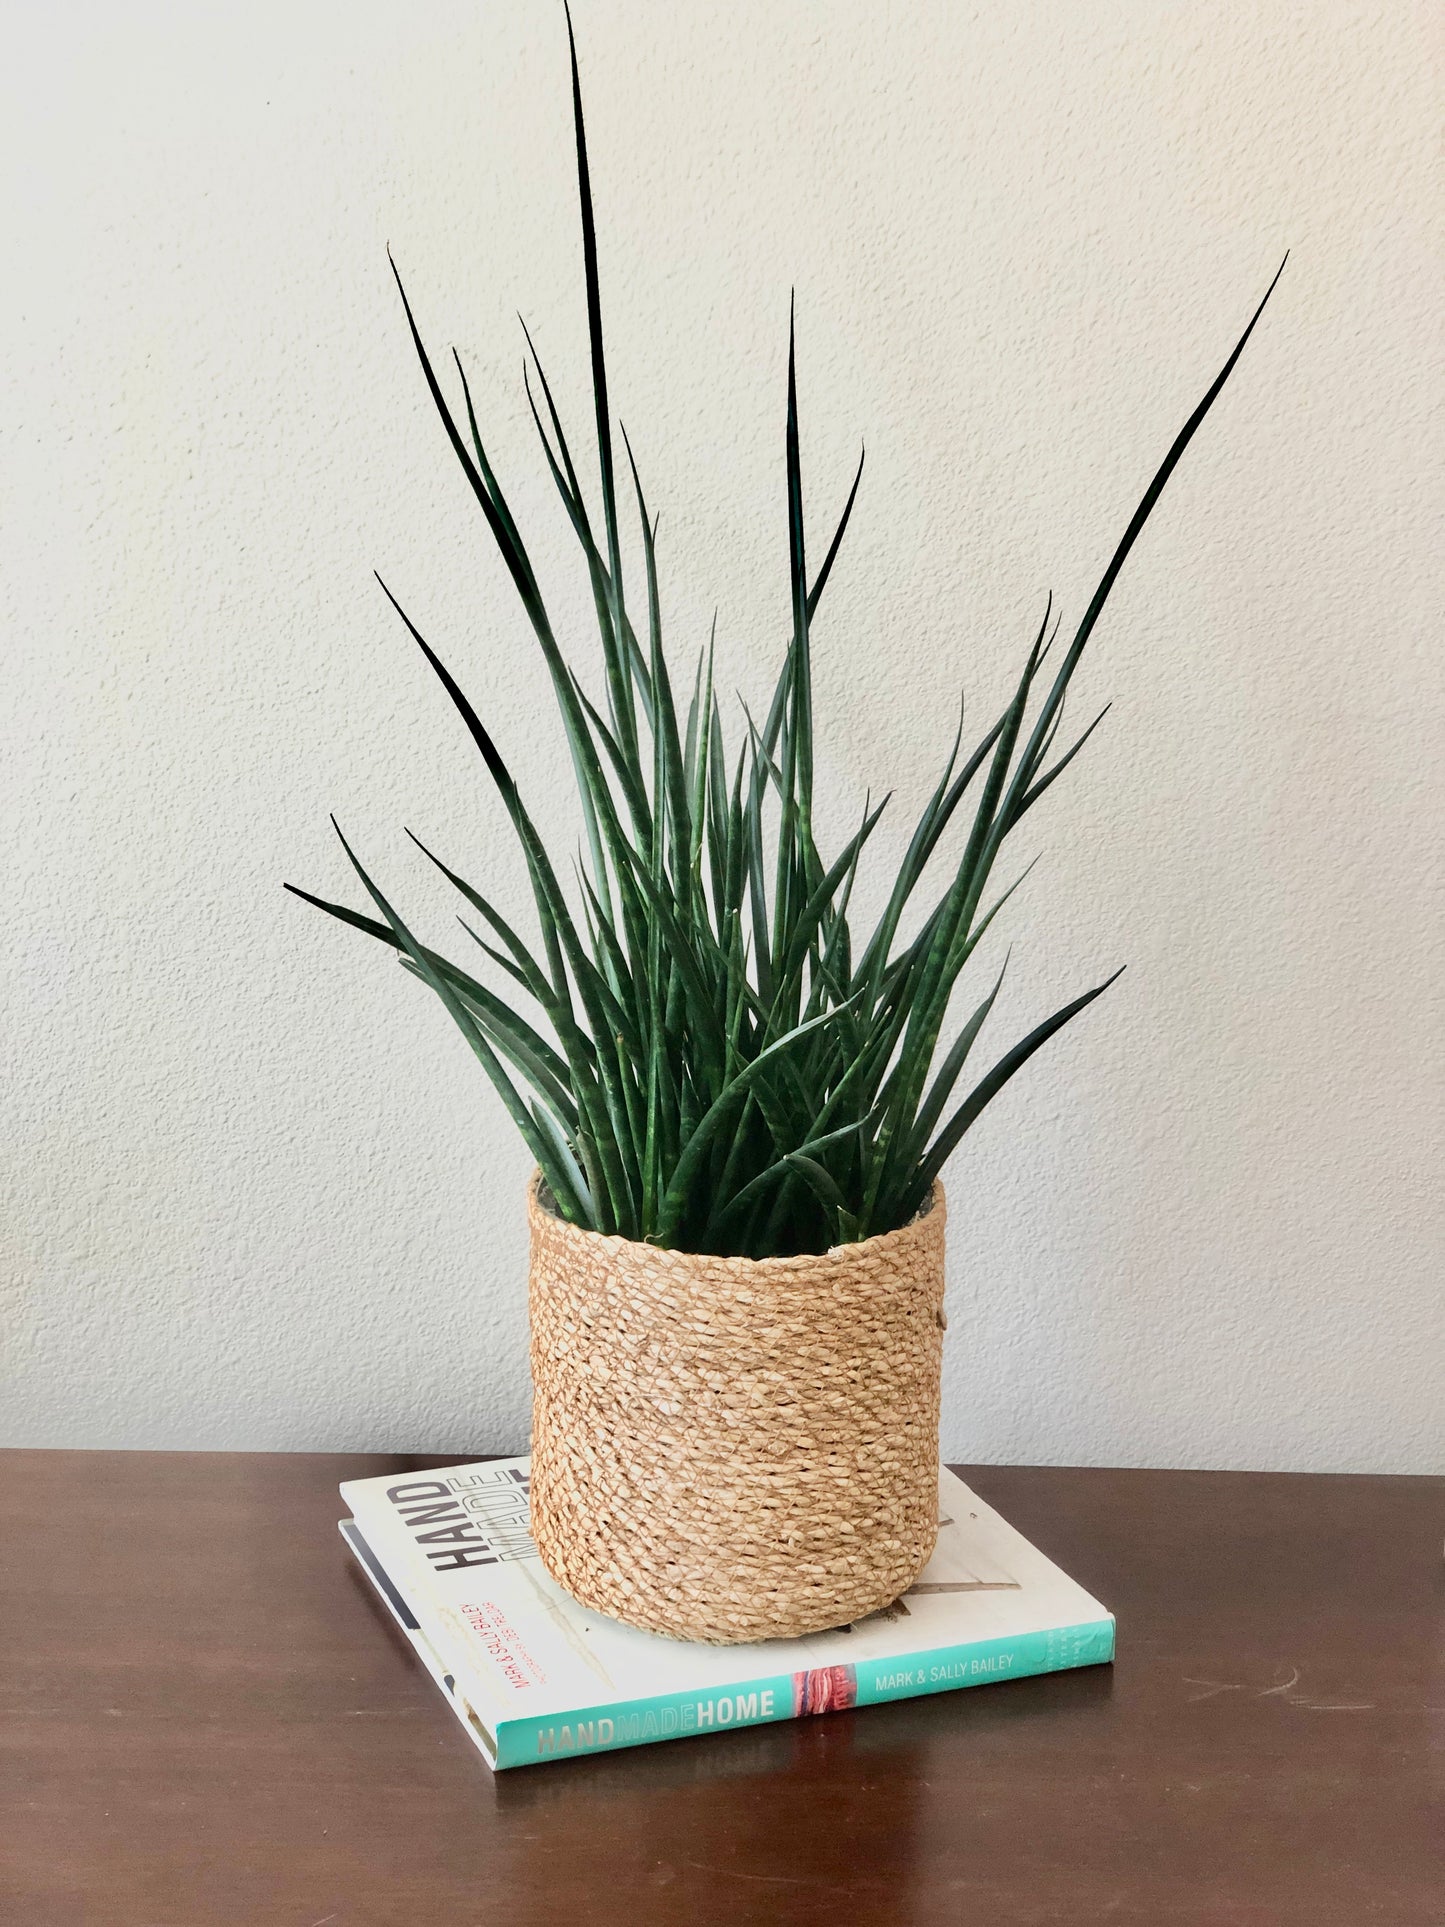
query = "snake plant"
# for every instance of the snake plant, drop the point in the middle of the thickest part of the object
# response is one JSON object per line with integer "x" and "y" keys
{"x": 696, "y": 1046}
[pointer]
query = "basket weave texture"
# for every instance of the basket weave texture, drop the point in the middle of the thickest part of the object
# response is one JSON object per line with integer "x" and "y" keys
{"x": 732, "y": 1449}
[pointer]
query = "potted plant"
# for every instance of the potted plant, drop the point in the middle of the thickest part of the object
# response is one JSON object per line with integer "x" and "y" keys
{"x": 739, "y": 1107}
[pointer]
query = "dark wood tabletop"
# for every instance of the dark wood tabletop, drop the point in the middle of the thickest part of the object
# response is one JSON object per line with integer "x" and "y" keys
{"x": 206, "y": 1718}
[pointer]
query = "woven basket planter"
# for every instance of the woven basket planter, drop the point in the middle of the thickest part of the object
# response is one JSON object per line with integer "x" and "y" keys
{"x": 733, "y": 1449}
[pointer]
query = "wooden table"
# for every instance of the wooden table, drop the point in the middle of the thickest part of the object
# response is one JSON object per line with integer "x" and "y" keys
{"x": 204, "y": 1718}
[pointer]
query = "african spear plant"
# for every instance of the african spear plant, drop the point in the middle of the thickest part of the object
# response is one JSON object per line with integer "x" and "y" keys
{"x": 715, "y": 1063}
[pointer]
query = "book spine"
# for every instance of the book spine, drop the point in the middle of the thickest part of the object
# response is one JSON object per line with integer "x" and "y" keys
{"x": 786, "y": 1696}
{"x": 668, "y": 1716}
{"x": 949, "y": 1667}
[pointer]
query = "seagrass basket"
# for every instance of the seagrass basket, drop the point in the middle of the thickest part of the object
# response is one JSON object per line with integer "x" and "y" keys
{"x": 731, "y": 1449}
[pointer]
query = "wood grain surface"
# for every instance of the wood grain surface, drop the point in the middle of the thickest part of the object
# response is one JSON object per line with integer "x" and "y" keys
{"x": 205, "y": 1718}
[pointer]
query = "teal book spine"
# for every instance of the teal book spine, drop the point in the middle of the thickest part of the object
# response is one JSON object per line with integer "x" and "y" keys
{"x": 669, "y": 1716}
{"x": 787, "y": 1696}
{"x": 948, "y": 1667}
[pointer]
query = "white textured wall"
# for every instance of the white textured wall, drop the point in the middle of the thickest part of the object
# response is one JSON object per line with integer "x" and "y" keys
{"x": 255, "y": 1191}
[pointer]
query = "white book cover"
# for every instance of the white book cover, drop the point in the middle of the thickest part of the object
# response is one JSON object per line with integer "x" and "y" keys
{"x": 535, "y": 1676}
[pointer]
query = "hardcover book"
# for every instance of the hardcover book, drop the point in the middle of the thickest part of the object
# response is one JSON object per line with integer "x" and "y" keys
{"x": 533, "y": 1676}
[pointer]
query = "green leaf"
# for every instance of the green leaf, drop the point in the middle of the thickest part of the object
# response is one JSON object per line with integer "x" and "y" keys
{"x": 989, "y": 1087}
{"x": 715, "y": 1063}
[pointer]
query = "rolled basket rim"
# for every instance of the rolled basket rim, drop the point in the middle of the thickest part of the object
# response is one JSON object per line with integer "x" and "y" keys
{"x": 539, "y": 1200}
